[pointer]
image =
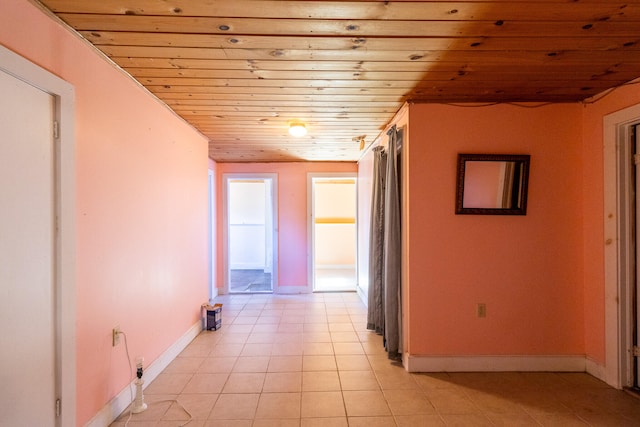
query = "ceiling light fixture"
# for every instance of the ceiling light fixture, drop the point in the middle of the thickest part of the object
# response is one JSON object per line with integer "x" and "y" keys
{"x": 297, "y": 129}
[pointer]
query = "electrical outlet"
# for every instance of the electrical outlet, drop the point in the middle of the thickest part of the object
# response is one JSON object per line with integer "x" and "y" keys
{"x": 482, "y": 310}
{"x": 115, "y": 336}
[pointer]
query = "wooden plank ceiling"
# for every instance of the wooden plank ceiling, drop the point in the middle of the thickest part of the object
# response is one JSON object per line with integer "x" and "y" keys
{"x": 241, "y": 71}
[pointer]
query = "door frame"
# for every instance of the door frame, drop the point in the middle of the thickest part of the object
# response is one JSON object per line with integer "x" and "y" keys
{"x": 65, "y": 206}
{"x": 211, "y": 234}
{"x": 311, "y": 221}
{"x": 226, "y": 177}
{"x": 619, "y": 249}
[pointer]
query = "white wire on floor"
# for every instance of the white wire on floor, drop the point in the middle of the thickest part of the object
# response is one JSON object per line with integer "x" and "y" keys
{"x": 133, "y": 376}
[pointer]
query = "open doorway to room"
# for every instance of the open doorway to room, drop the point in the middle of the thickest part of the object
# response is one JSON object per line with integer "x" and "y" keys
{"x": 250, "y": 222}
{"x": 333, "y": 232}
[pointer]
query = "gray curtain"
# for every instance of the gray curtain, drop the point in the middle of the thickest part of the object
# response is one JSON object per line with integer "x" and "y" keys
{"x": 385, "y": 293}
{"x": 375, "y": 314}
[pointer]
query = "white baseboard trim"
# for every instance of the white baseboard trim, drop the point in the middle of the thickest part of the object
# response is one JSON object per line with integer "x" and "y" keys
{"x": 494, "y": 363}
{"x": 363, "y": 296}
{"x": 121, "y": 401}
{"x": 596, "y": 370}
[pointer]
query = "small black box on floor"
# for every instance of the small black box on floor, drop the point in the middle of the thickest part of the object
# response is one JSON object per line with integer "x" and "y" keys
{"x": 214, "y": 316}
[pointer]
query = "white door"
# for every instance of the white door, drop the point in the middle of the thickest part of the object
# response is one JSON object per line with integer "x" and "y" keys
{"x": 27, "y": 258}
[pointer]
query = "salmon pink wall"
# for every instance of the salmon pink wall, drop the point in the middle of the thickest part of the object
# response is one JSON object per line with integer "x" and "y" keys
{"x": 593, "y": 209}
{"x": 141, "y": 178}
{"x": 292, "y": 213}
{"x": 528, "y": 270}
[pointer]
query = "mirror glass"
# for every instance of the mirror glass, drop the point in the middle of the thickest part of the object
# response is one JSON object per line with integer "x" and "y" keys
{"x": 492, "y": 184}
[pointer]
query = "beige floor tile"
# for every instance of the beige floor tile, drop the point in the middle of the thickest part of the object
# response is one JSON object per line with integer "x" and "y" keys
{"x": 292, "y": 317}
{"x": 348, "y": 348}
{"x": 264, "y": 328}
{"x": 235, "y": 407}
{"x": 184, "y": 365}
{"x": 428, "y": 381}
{"x": 341, "y": 327}
{"x": 256, "y": 349}
{"x": 316, "y": 327}
{"x": 279, "y": 405}
{"x": 238, "y": 329}
{"x": 541, "y": 402}
{"x": 342, "y": 317}
{"x": 192, "y": 423}
{"x": 268, "y": 320}
{"x": 495, "y": 402}
{"x": 344, "y": 337}
{"x": 320, "y": 381}
{"x": 287, "y": 337}
{"x": 287, "y": 349}
{"x": 228, "y": 423}
{"x": 318, "y": 363}
{"x": 261, "y": 338}
{"x": 214, "y": 365}
{"x": 324, "y": 422}
{"x": 234, "y": 338}
{"x": 206, "y": 383}
{"x": 322, "y": 404}
{"x": 274, "y": 311}
{"x": 396, "y": 380}
{"x": 516, "y": 420}
{"x": 316, "y": 337}
{"x": 290, "y": 327}
{"x": 365, "y": 403}
{"x": 324, "y": 392}
{"x": 318, "y": 348}
{"x": 196, "y": 350}
{"x": 285, "y": 364}
{"x": 448, "y": 401}
{"x": 198, "y": 405}
{"x": 282, "y": 382}
{"x": 382, "y": 363}
{"x": 408, "y": 402}
{"x": 358, "y": 380}
{"x": 320, "y": 318}
{"x": 472, "y": 420}
{"x": 168, "y": 384}
{"x": 250, "y": 312}
{"x": 244, "y": 383}
{"x": 157, "y": 405}
{"x": 226, "y": 350}
{"x": 277, "y": 423}
{"x": 419, "y": 420}
{"x": 353, "y": 362}
{"x": 245, "y": 320}
{"x": 251, "y": 364}
{"x": 373, "y": 348}
{"x": 564, "y": 420}
{"x": 372, "y": 422}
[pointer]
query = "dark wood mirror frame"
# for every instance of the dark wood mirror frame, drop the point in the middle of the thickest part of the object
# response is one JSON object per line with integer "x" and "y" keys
{"x": 508, "y": 195}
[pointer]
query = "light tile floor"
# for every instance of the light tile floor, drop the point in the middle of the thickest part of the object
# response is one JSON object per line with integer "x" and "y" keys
{"x": 308, "y": 361}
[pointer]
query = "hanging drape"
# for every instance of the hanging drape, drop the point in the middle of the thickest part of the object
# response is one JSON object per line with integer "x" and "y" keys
{"x": 375, "y": 315}
{"x": 385, "y": 293}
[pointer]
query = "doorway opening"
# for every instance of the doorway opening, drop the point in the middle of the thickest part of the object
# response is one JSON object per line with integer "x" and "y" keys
{"x": 251, "y": 218}
{"x": 333, "y": 232}
{"x": 622, "y": 248}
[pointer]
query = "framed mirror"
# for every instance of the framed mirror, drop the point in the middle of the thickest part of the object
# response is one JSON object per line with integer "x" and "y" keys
{"x": 492, "y": 184}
